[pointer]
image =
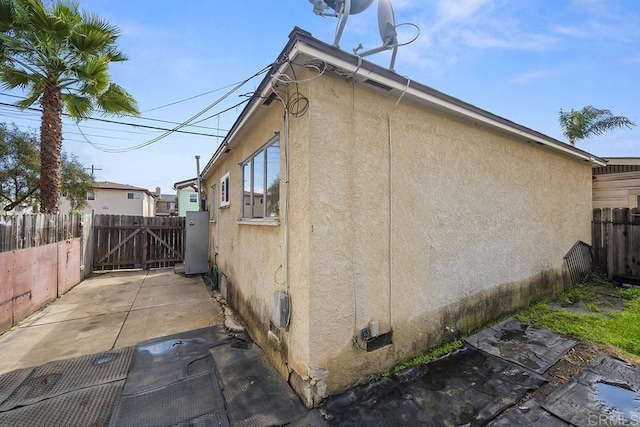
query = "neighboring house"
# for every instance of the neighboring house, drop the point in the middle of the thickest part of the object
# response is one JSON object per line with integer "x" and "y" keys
{"x": 116, "y": 199}
{"x": 166, "y": 204}
{"x": 187, "y": 195}
{"x": 617, "y": 185}
{"x": 391, "y": 209}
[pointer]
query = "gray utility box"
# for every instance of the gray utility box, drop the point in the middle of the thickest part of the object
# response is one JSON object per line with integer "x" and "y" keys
{"x": 196, "y": 251}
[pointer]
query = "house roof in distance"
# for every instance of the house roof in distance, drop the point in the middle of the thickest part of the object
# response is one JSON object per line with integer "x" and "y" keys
{"x": 108, "y": 185}
{"x": 181, "y": 185}
{"x": 304, "y": 48}
{"x": 634, "y": 161}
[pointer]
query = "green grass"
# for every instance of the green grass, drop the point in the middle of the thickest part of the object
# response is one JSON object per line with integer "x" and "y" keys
{"x": 621, "y": 329}
{"x": 580, "y": 293}
{"x": 629, "y": 293}
{"x": 427, "y": 357}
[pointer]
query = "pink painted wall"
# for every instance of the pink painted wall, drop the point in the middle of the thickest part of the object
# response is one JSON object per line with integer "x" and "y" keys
{"x": 69, "y": 263}
{"x": 31, "y": 278}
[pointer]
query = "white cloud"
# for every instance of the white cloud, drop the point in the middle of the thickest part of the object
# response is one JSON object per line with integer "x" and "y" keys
{"x": 460, "y": 10}
{"x": 529, "y": 77}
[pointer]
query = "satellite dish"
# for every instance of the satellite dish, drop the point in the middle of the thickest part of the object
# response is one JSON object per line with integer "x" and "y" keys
{"x": 387, "y": 23}
{"x": 388, "y": 33}
{"x": 342, "y": 8}
{"x": 357, "y": 6}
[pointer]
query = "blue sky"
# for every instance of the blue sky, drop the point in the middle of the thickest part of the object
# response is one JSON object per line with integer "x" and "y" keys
{"x": 523, "y": 60}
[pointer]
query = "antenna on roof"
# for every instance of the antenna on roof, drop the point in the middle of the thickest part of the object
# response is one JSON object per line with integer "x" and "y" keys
{"x": 342, "y": 10}
{"x": 388, "y": 33}
{"x": 386, "y": 23}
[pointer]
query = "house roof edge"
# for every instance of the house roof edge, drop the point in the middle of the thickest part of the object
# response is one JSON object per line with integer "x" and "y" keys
{"x": 302, "y": 37}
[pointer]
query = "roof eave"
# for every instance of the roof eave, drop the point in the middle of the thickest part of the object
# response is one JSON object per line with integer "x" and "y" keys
{"x": 302, "y": 42}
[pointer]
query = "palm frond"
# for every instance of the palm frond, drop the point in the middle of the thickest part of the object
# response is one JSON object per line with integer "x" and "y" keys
{"x": 115, "y": 55}
{"x": 94, "y": 75}
{"x": 31, "y": 99}
{"x": 590, "y": 121}
{"x": 15, "y": 78}
{"x": 606, "y": 124}
{"x": 96, "y": 22}
{"x": 77, "y": 106}
{"x": 6, "y": 15}
{"x": 46, "y": 22}
{"x": 67, "y": 12}
{"x": 116, "y": 100}
{"x": 90, "y": 41}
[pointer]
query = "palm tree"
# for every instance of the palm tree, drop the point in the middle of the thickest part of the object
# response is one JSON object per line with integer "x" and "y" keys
{"x": 590, "y": 121}
{"x": 60, "y": 56}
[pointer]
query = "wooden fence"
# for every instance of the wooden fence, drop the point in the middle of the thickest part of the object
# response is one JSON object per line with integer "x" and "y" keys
{"x": 616, "y": 242}
{"x": 33, "y": 230}
{"x": 132, "y": 242}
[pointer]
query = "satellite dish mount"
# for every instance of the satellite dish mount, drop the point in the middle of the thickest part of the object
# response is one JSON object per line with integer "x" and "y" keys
{"x": 386, "y": 23}
{"x": 342, "y": 10}
{"x": 388, "y": 33}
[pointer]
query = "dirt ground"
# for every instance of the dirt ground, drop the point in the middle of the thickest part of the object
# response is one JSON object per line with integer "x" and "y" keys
{"x": 571, "y": 363}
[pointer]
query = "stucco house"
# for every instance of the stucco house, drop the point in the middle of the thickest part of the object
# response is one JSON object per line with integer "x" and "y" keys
{"x": 116, "y": 199}
{"x": 187, "y": 195}
{"x": 617, "y": 185}
{"x": 166, "y": 205}
{"x": 394, "y": 216}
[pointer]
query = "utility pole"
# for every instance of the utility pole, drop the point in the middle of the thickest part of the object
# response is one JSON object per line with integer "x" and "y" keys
{"x": 93, "y": 169}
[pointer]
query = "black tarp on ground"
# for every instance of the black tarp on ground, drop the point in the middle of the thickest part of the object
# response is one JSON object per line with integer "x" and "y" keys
{"x": 466, "y": 387}
{"x": 534, "y": 348}
{"x": 173, "y": 379}
{"x": 607, "y": 392}
{"x": 528, "y": 414}
{"x": 255, "y": 393}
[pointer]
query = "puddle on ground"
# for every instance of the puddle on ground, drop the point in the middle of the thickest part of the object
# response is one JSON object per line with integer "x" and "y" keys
{"x": 164, "y": 347}
{"x": 620, "y": 398}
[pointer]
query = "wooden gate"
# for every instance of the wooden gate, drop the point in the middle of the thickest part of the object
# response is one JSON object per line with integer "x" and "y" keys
{"x": 616, "y": 242}
{"x": 136, "y": 242}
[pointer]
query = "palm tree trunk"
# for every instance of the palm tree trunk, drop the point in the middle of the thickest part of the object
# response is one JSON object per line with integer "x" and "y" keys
{"x": 50, "y": 148}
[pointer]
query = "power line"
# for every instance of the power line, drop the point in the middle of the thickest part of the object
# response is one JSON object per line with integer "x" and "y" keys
{"x": 136, "y": 125}
{"x": 132, "y": 116}
{"x": 191, "y": 97}
{"x": 188, "y": 121}
{"x": 167, "y": 132}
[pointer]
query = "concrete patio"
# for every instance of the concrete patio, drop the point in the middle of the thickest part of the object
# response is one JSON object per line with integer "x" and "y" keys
{"x": 150, "y": 348}
{"x": 110, "y": 311}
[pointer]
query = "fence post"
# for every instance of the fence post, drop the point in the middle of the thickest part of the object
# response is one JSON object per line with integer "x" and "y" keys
{"x": 609, "y": 240}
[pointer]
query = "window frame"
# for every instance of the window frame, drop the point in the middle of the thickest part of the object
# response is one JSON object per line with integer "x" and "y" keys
{"x": 214, "y": 199}
{"x": 250, "y": 161}
{"x": 133, "y": 196}
{"x": 90, "y": 196}
{"x": 225, "y": 200}
{"x": 191, "y": 195}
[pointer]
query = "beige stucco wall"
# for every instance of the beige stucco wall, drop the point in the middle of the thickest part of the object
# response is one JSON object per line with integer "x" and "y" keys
{"x": 468, "y": 225}
{"x": 251, "y": 252}
{"x": 115, "y": 202}
{"x": 467, "y": 214}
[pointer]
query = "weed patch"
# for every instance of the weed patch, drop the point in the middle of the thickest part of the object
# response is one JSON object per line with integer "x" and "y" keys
{"x": 427, "y": 357}
{"x": 620, "y": 329}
